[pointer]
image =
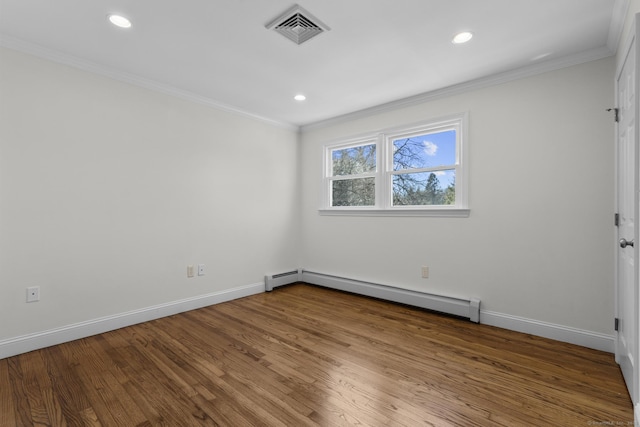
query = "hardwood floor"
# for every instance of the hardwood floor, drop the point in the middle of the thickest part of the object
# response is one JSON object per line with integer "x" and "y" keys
{"x": 306, "y": 356}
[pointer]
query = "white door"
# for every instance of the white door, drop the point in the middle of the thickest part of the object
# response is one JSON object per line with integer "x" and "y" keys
{"x": 627, "y": 198}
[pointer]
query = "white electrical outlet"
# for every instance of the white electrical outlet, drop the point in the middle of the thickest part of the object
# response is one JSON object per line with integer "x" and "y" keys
{"x": 200, "y": 269}
{"x": 189, "y": 270}
{"x": 425, "y": 272}
{"x": 33, "y": 293}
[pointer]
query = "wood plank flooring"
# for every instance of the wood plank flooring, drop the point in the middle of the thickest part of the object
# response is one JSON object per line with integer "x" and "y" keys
{"x": 308, "y": 356}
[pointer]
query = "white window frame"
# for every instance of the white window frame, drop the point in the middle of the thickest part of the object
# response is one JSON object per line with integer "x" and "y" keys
{"x": 329, "y": 178}
{"x": 383, "y": 140}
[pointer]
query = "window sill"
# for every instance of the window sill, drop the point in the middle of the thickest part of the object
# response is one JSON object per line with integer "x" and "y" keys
{"x": 433, "y": 212}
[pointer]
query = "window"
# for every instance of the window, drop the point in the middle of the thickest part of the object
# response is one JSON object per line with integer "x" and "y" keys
{"x": 353, "y": 174}
{"x": 414, "y": 170}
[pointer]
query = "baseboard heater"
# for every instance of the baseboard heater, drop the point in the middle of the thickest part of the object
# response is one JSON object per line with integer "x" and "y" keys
{"x": 282, "y": 279}
{"x": 467, "y": 308}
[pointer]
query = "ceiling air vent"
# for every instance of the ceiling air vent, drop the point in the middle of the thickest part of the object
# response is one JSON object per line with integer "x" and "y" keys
{"x": 297, "y": 25}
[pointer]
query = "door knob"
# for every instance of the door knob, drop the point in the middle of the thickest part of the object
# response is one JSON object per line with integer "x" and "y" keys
{"x": 624, "y": 243}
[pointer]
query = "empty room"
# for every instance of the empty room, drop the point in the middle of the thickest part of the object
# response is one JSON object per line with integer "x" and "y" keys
{"x": 323, "y": 213}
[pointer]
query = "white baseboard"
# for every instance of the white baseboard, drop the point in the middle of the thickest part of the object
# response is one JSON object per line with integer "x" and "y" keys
{"x": 463, "y": 308}
{"x": 636, "y": 415}
{"x": 567, "y": 334}
{"x": 22, "y": 344}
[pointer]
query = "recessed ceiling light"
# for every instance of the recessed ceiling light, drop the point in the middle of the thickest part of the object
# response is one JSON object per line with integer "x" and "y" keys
{"x": 120, "y": 21}
{"x": 462, "y": 37}
{"x": 300, "y": 97}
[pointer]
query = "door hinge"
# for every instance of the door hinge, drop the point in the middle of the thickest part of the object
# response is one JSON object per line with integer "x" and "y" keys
{"x": 616, "y": 326}
{"x": 616, "y": 220}
{"x": 615, "y": 113}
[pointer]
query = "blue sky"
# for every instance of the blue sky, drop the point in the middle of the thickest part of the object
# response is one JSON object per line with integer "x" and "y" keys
{"x": 435, "y": 149}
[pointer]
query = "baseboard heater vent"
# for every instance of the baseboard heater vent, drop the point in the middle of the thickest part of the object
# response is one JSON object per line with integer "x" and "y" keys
{"x": 282, "y": 279}
{"x": 467, "y": 308}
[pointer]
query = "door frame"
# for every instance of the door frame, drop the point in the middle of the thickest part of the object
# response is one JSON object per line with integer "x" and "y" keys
{"x": 631, "y": 42}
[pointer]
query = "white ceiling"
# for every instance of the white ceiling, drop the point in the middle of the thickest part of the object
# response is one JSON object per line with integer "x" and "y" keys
{"x": 377, "y": 51}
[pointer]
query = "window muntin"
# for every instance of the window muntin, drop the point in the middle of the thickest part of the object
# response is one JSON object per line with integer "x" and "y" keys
{"x": 413, "y": 170}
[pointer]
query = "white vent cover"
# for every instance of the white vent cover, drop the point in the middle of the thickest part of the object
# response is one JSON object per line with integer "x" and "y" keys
{"x": 297, "y": 25}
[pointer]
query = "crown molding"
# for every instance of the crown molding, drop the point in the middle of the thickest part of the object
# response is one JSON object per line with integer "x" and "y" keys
{"x": 621, "y": 6}
{"x": 95, "y": 68}
{"x": 618, "y": 15}
{"x": 491, "y": 80}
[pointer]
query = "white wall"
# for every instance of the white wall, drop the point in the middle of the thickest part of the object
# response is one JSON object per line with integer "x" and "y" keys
{"x": 108, "y": 191}
{"x": 539, "y": 241}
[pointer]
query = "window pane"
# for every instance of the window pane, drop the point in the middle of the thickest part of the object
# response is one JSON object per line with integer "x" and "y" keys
{"x": 354, "y": 192}
{"x": 425, "y": 188}
{"x": 425, "y": 151}
{"x": 354, "y": 160}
